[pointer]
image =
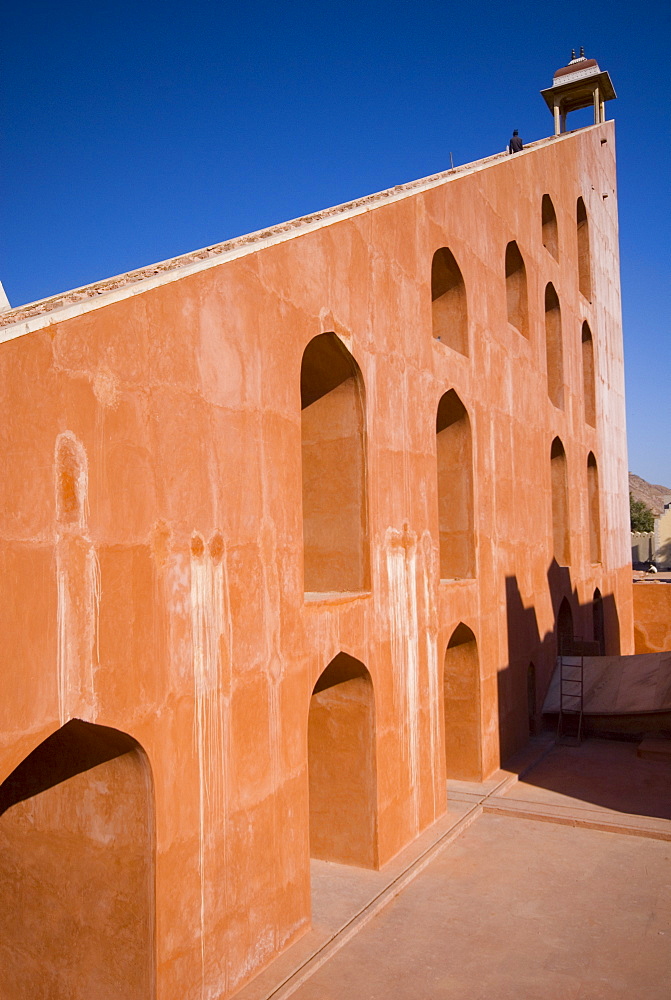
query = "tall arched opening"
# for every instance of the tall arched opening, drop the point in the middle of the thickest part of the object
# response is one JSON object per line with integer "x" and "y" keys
{"x": 77, "y": 869}
{"x": 455, "y": 489}
{"x": 594, "y": 512}
{"x": 335, "y": 522}
{"x": 342, "y": 765}
{"x": 588, "y": 383}
{"x": 584, "y": 260}
{"x": 560, "y": 515}
{"x": 549, "y": 224}
{"x": 565, "y": 632}
{"x": 461, "y": 699}
{"x": 554, "y": 348}
{"x": 516, "y": 290}
{"x": 448, "y": 302}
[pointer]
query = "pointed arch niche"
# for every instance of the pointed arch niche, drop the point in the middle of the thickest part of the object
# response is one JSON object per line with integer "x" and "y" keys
{"x": 560, "y": 517}
{"x": 594, "y": 510}
{"x": 461, "y": 699}
{"x": 554, "y": 348}
{"x": 584, "y": 258}
{"x": 342, "y": 765}
{"x": 335, "y": 520}
{"x": 77, "y": 868}
{"x": 516, "y": 290}
{"x": 455, "y": 489}
{"x": 588, "y": 375}
{"x": 448, "y": 302}
{"x": 549, "y": 224}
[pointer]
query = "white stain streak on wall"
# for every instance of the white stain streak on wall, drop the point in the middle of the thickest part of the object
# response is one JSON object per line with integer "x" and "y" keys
{"x": 428, "y": 572}
{"x": 401, "y": 557}
{"x": 78, "y": 584}
{"x": 208, "y": 616}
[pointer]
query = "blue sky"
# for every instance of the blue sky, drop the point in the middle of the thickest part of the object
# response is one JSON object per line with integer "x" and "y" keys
{"x": 135, "y": 132}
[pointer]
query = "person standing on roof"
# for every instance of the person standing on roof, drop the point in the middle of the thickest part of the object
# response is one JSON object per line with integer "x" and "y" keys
{"x": 515, "y": 145}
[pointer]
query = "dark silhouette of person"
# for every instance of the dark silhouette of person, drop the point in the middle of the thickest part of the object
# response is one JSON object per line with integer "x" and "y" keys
{"x": 515, "y": 145}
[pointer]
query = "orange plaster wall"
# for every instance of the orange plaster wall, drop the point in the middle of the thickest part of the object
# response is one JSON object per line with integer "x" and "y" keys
{"x": 652, "y": 617}
{"x": 171, "y": 604}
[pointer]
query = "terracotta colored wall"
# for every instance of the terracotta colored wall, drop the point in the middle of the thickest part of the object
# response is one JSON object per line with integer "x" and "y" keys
{"x": 652, "y": 617}
{"x": 151, "y": 526}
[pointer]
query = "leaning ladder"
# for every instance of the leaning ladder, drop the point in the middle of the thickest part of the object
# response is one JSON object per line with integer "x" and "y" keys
{"x": 571, "y": 702}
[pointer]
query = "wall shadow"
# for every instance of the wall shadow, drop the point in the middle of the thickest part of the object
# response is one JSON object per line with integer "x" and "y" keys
{"x": 604, "y": 772}
{"x": 74, "y": 748}
{"x": 591, "y": 626}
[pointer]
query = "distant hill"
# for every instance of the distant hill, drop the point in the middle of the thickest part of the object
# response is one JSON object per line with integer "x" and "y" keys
{"x": 652, "y": 496}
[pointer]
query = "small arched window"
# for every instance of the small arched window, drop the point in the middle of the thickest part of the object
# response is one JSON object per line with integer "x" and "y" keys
{"x": 565, "y": 634}
{"x": 461, "y": 700}
{"x": 455, "y": 488}
{"x": 598, "y": 624}
{"x": 588, "y": 375}
{"x": 448, "y": 302}
{"x": 554, "y": 348}
{"x": 516, "y": 290}
{"x": 549, "y": 223}
{"x": 584, "y": 259}
{"x": 594, "y": 512}
{"x": 335, "y": 524}
{"x": 560, "y": 513}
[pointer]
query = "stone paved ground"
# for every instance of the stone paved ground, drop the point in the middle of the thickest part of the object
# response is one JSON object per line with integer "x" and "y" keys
{"x": 518, "y": 909}
{"x": 550, "y": 881}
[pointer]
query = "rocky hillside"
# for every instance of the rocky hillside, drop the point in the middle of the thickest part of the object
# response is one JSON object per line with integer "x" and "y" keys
{"x": 652, "y": 496}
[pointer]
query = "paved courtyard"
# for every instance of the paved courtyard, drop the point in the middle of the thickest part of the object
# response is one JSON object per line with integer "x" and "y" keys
{"x": 555, "y": 884}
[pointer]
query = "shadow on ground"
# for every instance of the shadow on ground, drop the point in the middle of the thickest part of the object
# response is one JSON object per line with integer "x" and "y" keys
{"x": 604, "y": 773}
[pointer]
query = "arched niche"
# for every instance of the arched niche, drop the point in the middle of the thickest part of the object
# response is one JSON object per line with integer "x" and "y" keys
{"x": 516, "y": 290}
{"x": 342, "y": 765}
{"x": 461, "y": 699}
{"x": 598, "y": 623}
{"x": 584, "y": 257}
{"x": 588, "y": 375}
{"x": 77, "y": 869}
{"x": 554, "y": 347}
{"x": 335, "y": 518}
{"x": 565, "y": 633}
{"x": 549, "y": 227}
{"x": 594, "y": 514}
{"x": 560, "y": 510}
{"x": 455, "y": 488}
{"x": 448, "y": 302}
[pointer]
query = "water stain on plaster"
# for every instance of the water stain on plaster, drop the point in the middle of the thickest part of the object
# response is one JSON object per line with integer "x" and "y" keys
{"x": 211, "y": 683}
{"x": 401, "y": 564}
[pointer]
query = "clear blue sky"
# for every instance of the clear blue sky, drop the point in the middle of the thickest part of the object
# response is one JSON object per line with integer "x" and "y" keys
{"x": 135, "y": 132}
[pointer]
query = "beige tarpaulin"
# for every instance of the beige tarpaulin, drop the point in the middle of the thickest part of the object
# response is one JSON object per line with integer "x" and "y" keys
{"x": 619, "y": 685}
